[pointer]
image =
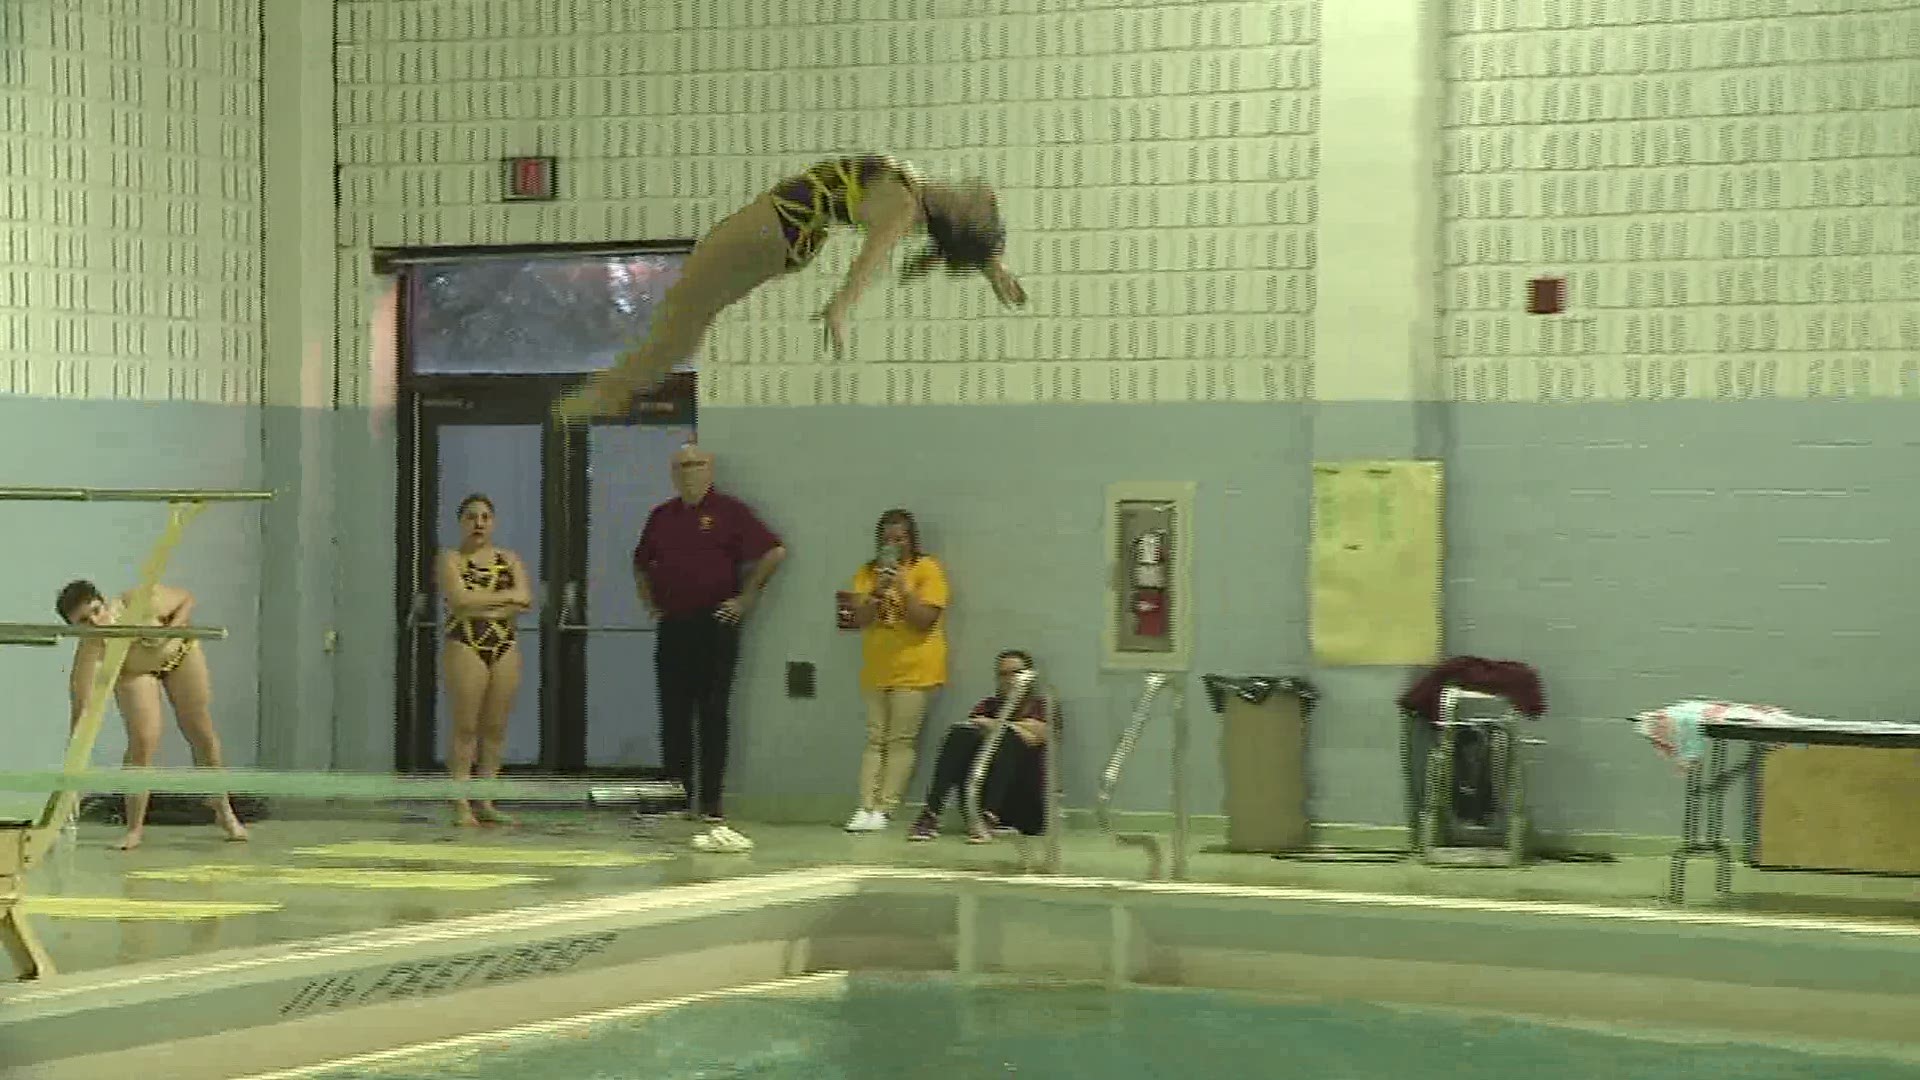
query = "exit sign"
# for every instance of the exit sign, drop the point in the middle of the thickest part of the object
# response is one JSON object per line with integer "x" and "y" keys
{"x": 528, "y": 179}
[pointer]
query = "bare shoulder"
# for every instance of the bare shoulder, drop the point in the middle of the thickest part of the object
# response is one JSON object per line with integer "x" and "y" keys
{"x": 156, "y": 597}
{"x": 902, "y": 171}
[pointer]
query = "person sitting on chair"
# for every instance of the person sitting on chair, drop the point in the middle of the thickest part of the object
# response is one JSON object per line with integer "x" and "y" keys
{"x": 1014, "y": 791}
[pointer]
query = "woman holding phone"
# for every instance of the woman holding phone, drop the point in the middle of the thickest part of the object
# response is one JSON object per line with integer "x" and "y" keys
{"x": 899, "y": 599}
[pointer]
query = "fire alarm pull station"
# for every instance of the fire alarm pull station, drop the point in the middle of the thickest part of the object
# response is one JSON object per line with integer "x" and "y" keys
{"x": 1150, "y": 541}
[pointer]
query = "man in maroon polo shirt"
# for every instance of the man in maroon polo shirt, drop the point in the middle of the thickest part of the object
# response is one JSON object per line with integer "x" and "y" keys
{"x": 687, "y": 567}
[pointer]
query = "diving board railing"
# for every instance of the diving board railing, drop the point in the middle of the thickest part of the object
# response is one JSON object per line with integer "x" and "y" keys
{"x": 1110, "y": 780}
{"x": 23, "y": 844}
{"x": 180, "y": 496}
{"x": 36, "y": 633}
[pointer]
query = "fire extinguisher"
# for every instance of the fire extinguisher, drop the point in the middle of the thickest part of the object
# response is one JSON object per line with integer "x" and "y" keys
{"x": 1150, "y": 585}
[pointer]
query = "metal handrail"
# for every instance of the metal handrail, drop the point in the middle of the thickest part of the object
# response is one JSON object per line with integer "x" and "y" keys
{"x": 1050, "y": 753}
{"x": 89, "y": 632}
{"x": 977, "y": 776}
{"x": 1103, "y": 808}
{"x": 420, "y": 616}
{"x": 167, "y": 495}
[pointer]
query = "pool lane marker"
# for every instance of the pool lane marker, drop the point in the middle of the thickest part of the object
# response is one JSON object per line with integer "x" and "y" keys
{"x": 120, "y": 907}
{"x": 449, "y": 1050}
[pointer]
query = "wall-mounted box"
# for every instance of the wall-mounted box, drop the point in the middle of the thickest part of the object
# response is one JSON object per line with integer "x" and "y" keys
{"x": 1147, "y": 623}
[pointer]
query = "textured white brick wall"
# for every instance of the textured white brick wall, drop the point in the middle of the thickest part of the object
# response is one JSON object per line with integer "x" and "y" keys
{"x": 130, "y": 199}
{"x": 1156, "y": 161}
{"x": 1730, "y": 188}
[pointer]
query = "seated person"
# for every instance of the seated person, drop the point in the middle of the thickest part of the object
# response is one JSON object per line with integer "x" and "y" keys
{"x": 1014, "y": 791}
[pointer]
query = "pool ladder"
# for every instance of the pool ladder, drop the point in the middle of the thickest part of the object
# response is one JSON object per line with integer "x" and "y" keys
{"x": 1155, "y": 682}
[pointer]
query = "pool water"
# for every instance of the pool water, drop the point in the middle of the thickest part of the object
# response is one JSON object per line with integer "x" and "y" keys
{"x": 866, "y": 1028}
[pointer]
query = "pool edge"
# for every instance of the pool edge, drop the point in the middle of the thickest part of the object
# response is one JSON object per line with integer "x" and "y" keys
{"x": 867, "y": 918}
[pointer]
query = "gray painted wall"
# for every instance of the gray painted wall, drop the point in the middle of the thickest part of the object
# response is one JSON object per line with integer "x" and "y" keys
{"x": 1011, "y": 500}
{"x": 127, "y": 444}
{"x": 1638, "y": 553}
{"x": 365, "y": 458}
{"x": 281, "y": 699}
{"x": 1632, "y": 553}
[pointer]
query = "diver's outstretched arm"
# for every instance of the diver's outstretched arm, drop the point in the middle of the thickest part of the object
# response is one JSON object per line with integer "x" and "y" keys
{"x": 1005, "y": 285}
{"x": 889, "y": 213}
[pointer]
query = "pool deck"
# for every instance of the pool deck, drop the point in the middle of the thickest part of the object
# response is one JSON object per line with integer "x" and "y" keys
{"x": 187, "y": 892}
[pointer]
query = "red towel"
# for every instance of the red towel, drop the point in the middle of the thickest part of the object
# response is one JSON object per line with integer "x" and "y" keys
{"x": 1518, "y": 683}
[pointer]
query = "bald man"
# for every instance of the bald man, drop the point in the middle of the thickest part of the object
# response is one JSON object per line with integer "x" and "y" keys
{"x": 702, "y": 559}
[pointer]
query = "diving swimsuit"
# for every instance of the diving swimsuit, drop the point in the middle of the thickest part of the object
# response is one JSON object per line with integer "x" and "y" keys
{"x": 169, "y": 662}
{"x": 489, "y": 638}
{"x": 826, "y": 195}
{"x": 167, "y": 666}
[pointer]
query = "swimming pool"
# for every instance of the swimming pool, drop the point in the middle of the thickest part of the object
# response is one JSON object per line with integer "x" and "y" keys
{"x": 871, "y": 1026}
{"x": 872, "y": 963}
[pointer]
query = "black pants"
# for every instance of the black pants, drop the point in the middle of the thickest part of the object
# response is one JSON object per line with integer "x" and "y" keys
{"x": 693, "y": 661}
{"x": 1014, "y": 763}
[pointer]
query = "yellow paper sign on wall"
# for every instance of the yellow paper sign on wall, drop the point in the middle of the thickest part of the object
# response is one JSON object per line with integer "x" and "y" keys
{"x": 1375, "y": 573}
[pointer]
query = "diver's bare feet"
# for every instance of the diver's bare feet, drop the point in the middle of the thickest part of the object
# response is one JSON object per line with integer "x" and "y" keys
{"x": 490, "y": 816}
{"x": 463, "y": 815}
{"x": 130, "y": 841}
{"x": 605, "y": 394}
{"x": 229, "y": 823}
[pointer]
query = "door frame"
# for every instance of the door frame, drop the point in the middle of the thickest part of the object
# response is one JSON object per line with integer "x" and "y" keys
{"x": 429, "y": 402}
{"x": 426, "y": 404}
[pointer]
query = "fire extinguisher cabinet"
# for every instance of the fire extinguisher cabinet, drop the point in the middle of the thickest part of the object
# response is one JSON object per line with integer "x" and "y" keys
{"x": 1263, "y": 756}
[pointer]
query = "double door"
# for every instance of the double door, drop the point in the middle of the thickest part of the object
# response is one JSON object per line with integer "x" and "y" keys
{"x": 570, "y": 500}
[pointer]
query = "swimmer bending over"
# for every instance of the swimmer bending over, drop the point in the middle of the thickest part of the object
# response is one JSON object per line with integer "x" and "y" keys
{"x": 176, "y": 665}
{"x": 780, "y": 232}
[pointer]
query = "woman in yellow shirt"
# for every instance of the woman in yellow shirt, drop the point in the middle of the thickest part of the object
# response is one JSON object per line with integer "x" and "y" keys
{"x": 900, "y": 598}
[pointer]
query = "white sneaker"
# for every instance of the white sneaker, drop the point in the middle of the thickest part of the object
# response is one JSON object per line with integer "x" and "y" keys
{"x": 722, "y": 839}
{"x": 866, "y": 821}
